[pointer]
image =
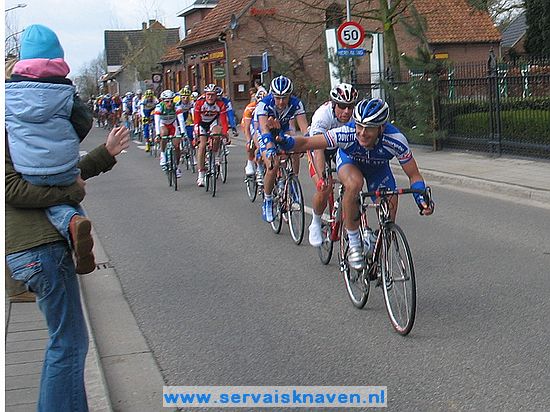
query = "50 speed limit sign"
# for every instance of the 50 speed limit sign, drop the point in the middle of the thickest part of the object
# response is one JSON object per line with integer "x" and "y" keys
{"x": 351, "y": 34}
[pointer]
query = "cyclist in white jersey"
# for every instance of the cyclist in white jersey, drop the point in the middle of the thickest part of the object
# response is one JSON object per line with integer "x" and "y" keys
{"x": 332, "y": 114}
{"x": 136, "y": 110}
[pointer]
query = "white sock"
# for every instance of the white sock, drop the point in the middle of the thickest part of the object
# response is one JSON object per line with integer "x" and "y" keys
{"x": 250, "y": 163}
{"x": 316, "y": 220}
{"x": 268, "y": 197}
{"x": 354, "y": 238}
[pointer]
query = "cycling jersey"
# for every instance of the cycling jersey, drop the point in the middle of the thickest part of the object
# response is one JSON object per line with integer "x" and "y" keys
{"x": 136, "y": 104}
{"x": 248, "y": 114}
{"x": 147, "y": 106}
{"x": 266, "y": 107}
{"x": 165, "y": 116}
{"x": 374, "y": 163}
{"x": 230, "y": 113}
{"x": 208, "y": 115}
{"x": 127, "y": 105}
{"x": 106, "y": 105}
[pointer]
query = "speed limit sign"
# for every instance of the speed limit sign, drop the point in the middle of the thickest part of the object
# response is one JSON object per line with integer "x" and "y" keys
{"x": 351, "y": 34}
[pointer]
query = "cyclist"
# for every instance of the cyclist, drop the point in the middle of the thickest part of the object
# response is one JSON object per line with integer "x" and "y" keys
{"x": 365, "y": 147}
{"x": 106, "y": 110}
{"x": 185, "y": 104}
{"x": 127, "y": 110}
{"x": 230, "y": 113}
{"x": 136, "y": 110}
{"x": 147, "y": 105}
{"x": 272, "y": 116}
{"x": 210, "y": 117}
{"x": 250, "y": 131}
{"x": 334, "y": 113}
{"x": 117, "y": 109}
{"x": 167, "y": 118}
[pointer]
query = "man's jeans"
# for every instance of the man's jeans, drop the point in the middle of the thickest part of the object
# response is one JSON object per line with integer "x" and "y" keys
{"x": 49, "y": 272}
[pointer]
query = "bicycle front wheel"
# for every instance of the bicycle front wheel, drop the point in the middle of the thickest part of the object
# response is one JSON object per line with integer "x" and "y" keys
{"x": 174, "y": 170}
{"x": 277, "y": 223}
{"x": 357, "y": 285}
{"x": 295, "y": 212}
{"x": 223, "y": 162}
{"x": 325, "y": 250}
{"x": 398, "y": 280}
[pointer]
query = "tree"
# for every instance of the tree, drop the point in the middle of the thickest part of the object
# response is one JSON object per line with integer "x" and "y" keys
{"x": 144, "y": 57}
{"x": 537, "y": 14}
{"x": 87, "y": 80}
{"x": 501, "y": 11}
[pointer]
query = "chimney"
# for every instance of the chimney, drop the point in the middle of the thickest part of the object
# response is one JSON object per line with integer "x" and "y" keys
{"x": 151, "y": 22}
{"x": 143, "y": 26}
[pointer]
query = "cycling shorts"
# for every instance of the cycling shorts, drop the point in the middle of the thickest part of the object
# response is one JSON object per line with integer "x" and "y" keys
{"x": 171, "y": 127}
{"x": 204, "y": 128}
{"x": 377, "y": 177}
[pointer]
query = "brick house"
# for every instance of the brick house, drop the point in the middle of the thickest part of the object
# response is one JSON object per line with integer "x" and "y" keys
{"x": 120, "y": 77}
{"x": 226, "y": 47}
{"x": 513, "y": 38}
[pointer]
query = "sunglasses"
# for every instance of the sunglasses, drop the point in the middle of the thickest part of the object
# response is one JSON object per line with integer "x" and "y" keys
{"x": 343, "y": 106}
{"x": 168, "y": 101}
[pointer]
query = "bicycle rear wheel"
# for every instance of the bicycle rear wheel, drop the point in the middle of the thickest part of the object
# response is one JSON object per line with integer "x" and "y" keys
{"x": 398, "y": 279}
{"x": 357, "y": 286}
{"x": 277, "y": 223}
{"x": 251, "y": 187}
{"x": 174, "y": 170}
{"x": 295, "y": 212}
{"x": 213, "y": 169}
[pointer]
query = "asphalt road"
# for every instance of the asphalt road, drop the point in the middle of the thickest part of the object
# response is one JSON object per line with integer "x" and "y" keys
{"x": 222, "y": 300}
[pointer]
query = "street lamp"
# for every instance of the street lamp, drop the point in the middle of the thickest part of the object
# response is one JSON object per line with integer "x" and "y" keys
{"x": 18, "y": 6}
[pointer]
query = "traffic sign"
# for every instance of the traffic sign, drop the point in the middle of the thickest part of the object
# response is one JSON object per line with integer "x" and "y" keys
{"x": 265, "y": 62}
{"x": 351, "y": 34}
{"x": 351, "y": 52}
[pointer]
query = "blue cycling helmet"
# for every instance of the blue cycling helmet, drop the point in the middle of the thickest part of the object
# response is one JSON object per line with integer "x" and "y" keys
{"x": 371, "y": 113}
{"x": 281, "y": 86}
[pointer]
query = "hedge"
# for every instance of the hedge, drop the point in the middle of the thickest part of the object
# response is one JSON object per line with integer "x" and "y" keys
{"x": 531, "y": 126}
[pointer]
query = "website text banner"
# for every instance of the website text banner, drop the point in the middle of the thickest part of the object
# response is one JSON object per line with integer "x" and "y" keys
{"x": 274, "y": 396}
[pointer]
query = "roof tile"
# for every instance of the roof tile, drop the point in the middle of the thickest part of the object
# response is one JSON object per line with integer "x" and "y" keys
{"x": 456, "y": 21}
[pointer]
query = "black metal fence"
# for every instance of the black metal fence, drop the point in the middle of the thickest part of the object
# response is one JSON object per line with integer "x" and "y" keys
{"x": 492, "y": 107}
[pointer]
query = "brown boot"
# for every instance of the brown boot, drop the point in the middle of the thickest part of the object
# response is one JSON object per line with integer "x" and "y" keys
{"x": 80, "y": 229}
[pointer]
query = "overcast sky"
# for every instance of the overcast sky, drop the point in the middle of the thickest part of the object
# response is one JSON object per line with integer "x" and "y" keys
{"x": 80, "y": 24}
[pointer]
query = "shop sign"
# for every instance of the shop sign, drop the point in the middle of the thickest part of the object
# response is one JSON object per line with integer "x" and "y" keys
{"x": 218, "y": 72}
{"x": 215, "y": 55}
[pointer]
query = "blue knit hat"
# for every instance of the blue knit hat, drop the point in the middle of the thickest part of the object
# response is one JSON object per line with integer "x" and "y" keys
{"x": 40, "y": 42}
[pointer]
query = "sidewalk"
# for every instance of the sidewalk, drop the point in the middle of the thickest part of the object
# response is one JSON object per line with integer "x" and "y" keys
{"x": 119, "y": 358}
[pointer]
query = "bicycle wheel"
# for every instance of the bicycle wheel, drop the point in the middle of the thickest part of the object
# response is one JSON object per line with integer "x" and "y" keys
{"x": 251, "y": 187}
{"x": 223, "y": 162}
{"x": 296, "y": 212}
{"x": 213, "y": 172}
{"x": 357, "y": 286}
{"x": 174, "y": 170}
{"x": 168, "y": 167}
{"x": 325, "y": 250}
{"x": 277, "y": 223}
{"x": 398, "y": 280}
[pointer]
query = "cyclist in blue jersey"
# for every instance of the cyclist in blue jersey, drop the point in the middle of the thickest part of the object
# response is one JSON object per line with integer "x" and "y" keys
{"x": 365, "y": 147}
{"x": 273, "y": 116}
{"x": 230, "y": 113}
{"x": 147, "y": 105}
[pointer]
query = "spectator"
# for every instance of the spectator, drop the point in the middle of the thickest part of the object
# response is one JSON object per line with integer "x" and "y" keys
{"x": 54, "y": 124}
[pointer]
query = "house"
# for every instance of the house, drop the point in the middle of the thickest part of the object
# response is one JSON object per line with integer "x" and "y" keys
{"x": 194, "y": 12}
{"x": 226, "y": 48}
{"x": 125, "y": 48}
{"x": 513, "y": 38}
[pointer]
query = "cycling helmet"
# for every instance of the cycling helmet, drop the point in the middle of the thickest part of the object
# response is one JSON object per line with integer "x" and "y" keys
{"x": 210, "y": 88}
{"x": 371, "y": 113}
{"x": 107, "y": 96}
{"x": 138, "y": 91}
{"x": 186, "y": 91}
{"x": 195, "y": 95}
{"x": 260, "y": 94}
{"x": 281, "y": 86}
{"x": 129, "y": 94}
{"x": 219, "y": 91}
{"x": 167, "y": 95}
{"x": 344, "y": 93}
{"x": 149, "y": 93}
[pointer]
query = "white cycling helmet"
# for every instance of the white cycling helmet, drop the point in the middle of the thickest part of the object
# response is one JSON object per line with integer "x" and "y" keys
{"x": 210, "y": 88}
{"x": 344, "y": 93}
{"x": 138, "y": 91}
{"x": 260, "y": 94}
{"x": 371, "y": 113}
{"x": 281, "y": 86}
{"x": 167, "y": 95}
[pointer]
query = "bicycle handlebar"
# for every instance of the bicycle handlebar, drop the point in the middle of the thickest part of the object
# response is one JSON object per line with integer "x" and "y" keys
{"x": 379, "y": 193}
